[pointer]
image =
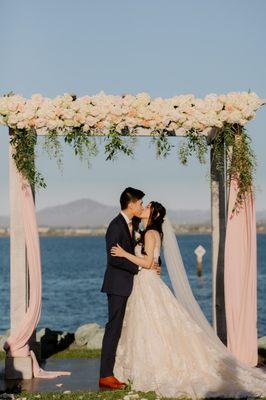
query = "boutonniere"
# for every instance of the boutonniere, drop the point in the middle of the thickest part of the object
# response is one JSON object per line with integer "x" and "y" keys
{"x": 137, "y": 236}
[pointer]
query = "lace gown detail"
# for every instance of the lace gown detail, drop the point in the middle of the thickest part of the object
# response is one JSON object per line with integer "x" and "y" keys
{"x": 163, "y": 349}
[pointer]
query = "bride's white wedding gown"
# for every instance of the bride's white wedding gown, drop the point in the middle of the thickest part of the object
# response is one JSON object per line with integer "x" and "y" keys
{"x": 163, "y": 349}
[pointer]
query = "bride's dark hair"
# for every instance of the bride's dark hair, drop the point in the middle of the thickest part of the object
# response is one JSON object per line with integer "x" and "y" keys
{"x": 156, "y": 218}
{"x": 155, "y": 221}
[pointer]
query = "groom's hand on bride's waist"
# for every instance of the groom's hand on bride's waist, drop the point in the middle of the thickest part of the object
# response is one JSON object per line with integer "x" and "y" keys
{"x": 157, "y": 267}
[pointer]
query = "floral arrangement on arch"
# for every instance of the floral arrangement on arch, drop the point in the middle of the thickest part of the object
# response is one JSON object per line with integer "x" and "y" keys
{"x": 120, "y": 119}
{"x": 100, "y": 113}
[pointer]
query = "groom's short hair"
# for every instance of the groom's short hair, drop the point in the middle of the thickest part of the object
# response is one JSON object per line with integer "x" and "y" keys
{"x": 130, "y": 195}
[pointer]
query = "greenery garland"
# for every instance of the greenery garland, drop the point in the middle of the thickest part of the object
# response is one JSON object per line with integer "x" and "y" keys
{"x": 117, "y": 143}
{"x": 24, "y": 142}
{"x": 233, "y": 143}
{"x": 194, "y": 143}
{"x": 232, "y": 139}
{"x": 241, "y": 160}
{"x": 162, "y": 145}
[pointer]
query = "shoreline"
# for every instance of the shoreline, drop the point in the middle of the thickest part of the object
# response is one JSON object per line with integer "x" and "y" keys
{"x": 100, "y": 232}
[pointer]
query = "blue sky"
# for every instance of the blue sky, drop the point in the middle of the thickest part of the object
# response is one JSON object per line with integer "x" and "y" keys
{"x": 162, "y": 47}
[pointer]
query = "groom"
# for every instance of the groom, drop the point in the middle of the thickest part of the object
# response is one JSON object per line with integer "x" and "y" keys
{"x": 118, "y": 281}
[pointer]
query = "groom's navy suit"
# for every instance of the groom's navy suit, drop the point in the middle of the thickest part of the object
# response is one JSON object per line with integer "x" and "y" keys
{"x": 118, "y": 284}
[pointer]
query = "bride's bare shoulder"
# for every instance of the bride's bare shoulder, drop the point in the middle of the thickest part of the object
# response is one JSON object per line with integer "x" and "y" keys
{"x": 152, "y": 238}
{"x": 151, "y": 233}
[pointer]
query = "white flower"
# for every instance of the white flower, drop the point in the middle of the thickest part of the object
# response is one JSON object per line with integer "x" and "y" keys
{"x": 142, "y": 99}
{"x": 99, "y": 112}
{"x": 137, "y": 235}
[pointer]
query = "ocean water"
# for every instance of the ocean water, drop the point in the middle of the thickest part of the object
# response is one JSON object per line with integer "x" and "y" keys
{"x": 72, "y": 273}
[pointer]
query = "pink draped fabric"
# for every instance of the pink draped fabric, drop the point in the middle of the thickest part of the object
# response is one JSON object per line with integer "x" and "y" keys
{"x": 17, "y": 343}
{"x": 240, "y": 279}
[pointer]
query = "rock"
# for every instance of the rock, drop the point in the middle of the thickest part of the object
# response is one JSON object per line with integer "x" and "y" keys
{"x": 2, "y": 341}
{"x": 47, "y": 335}
{"x": 53, "y": 341}
{"x": 3, "y": 338}
{"x": 90, "y": 334}
{"x": 96, "y": 341}
{"x": 7, "y": 396}
{"x": 262, "y": 342}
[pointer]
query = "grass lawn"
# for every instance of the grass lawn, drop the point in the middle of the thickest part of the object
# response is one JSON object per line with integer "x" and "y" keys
{"x": 110, "y": 395}
{"x": 77, "y": 352}
{"x": 69, "y": 353}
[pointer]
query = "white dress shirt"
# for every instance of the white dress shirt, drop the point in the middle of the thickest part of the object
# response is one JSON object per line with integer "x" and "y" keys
{"x": 126, "y": 217}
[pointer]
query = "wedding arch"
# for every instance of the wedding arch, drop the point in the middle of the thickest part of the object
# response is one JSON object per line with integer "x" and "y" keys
{"x": 215, "y": 123}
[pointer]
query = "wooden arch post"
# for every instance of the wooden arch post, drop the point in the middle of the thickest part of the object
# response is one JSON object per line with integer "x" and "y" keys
{"x": 218, "y": 228}
{"x": 18, "y": 367}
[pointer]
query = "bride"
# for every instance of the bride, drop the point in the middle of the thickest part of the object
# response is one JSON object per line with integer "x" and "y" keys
{"x": 167, "y": 344}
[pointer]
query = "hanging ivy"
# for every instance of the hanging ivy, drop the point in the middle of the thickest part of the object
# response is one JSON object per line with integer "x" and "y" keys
{"x": 233, "y": 142}
{"x": 194, "y": 144}
{"x": 53, "y": 147}
{"x": 85, "y": 146}
{"x": 24, "y": 142}
{"x": 162, "y": 145}
{"x": 241, "y": 159}
{"x": 232, "y": 139}
{"x": 117, "y": 143}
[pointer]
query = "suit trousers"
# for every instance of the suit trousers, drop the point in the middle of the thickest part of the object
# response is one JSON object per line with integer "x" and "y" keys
{"x": 116, "y": 311}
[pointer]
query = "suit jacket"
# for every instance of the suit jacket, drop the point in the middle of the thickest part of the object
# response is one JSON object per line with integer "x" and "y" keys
{"x": 119, "y": 274}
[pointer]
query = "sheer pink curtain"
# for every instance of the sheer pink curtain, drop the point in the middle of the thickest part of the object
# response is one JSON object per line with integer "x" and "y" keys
{"x": 17, "y": 343}
{"x": 240, "y": 279}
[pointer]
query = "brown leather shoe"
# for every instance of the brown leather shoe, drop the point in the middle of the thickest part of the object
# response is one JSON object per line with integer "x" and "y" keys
{"x": 111, "y": 382}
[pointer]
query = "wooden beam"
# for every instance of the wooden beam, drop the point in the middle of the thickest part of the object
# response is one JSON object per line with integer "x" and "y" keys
{"x": 218, "y": 218}
{"x": 142, "y": 132}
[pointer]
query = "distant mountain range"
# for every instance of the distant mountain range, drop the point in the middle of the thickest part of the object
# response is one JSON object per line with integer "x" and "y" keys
{"x": 90, "y": 213}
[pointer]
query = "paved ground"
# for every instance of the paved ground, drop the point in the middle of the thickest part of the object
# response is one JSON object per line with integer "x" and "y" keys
{"x": 84, "y": 376}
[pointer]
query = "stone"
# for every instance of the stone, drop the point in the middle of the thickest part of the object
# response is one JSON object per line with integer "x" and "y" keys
{"x": 48, "y": 336}
{"x": 262, "y": 342}
{"x": 86, "y": 333}
{"x": 3, "y": 338}
{"x": 2, "y": 342}
{"x": 96, "y": 341}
